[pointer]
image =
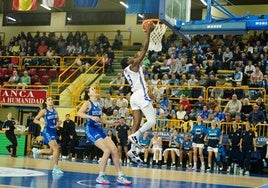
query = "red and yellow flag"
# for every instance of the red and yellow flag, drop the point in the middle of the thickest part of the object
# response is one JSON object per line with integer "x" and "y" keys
{"x": 24, "y": 5}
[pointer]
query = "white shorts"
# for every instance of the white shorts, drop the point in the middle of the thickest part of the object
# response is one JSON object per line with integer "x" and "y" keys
{"x": 138, "y": 101}
{"x": 195, "y": 145}
{"x": 177, "y": 151}
{"x": 213, "y": 149}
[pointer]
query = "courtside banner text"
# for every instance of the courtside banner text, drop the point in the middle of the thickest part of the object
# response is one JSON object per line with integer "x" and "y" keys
{"x": 22, "y": 97}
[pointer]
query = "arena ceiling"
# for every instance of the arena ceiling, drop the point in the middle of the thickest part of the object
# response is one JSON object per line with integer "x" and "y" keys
{"x": 113, "y": 5}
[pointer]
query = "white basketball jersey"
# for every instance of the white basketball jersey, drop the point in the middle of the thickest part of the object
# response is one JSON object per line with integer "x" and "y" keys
{"x": 136, "y": 79}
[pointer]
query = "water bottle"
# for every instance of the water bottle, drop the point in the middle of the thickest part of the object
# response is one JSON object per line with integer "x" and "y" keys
{"x": 235, "y": 169}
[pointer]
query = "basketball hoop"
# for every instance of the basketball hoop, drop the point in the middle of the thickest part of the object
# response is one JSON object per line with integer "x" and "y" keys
{"x": 156, "y": 36}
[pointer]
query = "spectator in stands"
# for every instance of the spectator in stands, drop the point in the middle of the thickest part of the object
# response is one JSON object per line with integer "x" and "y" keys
{"x": 218, "y": 58}
{"x": 172, "y": 149}
{"x": 122, "y": 133}
{"x": 25, "y": 80}
{"x": 69, "y": 138}
{"x": 198, "y": 133}
{"x": 107, "y": 102}
{"x": 118, "y": 41}
{"x": 246, "y": 109}
{"x": 181, "y": 112}
{"x": 70, "y": 49}
{"x": 217, "y": 115}
{"x": 185, "y": 103}
{"x": 111, "y": 109}
{"x": 15, "y": 78}
{"x": 174, "y": 65}
{"x": 217, "y": 92}
{"x": 173, "y": 82}
{"x": 158, "y": 91}
{"x": 256, "y": 116}
{"x": 156, "y": 148}
{"x": 119, "y": 82}
{"x": 247, "y": 146}
{"x": 121, "y": 99}
{"x": 211, "y": 81}
{"x": 204, "y": 113}
{"x": 211, "y": 68}
{"x": 237, "y": 77}
{"x": 192, "y": 81}
{"x": 262, "y": 106}
{"x": 165, "y": 102}
{"x": 186, "y": 151}
{"x": 123, "y": 110}
{"x": 183, "y": 69}
{"x": 214, "y": 139}
{"x": 198, "y": 107}
{"x": 234, "y": 147}
{"x": 145, "y": 142}
{"x": 256, "y": 77}
{"x": 227, "y": 59}
{"x": 233, "y": 106}
{"x": 42, "y": 48}
{"x": 95, "y": 134}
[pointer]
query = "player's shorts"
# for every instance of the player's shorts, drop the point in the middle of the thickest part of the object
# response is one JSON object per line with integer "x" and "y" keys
{"x": 213, "y": 149}
{"x": 94, "y": 133}
{"x": 197, "y": 145}
{"x": 49, "y": 136}
{"x": 138, "y": 100}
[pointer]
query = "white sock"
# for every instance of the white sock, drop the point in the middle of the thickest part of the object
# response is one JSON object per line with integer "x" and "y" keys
{"x": 150, "y": 116}
{"x": 101, "y": 173}
{"x": 120, "y": 173}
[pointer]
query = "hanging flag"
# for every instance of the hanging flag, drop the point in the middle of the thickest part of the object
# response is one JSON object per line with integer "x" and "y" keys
{"x": 54, "y": 3}
{"x": 142, "y": 6}
{"x": 134, "y": 6}
{"x": 24, "y": 5}
{"x": 85, "y": 3}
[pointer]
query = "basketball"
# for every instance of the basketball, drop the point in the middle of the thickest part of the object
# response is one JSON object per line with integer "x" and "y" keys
{"x": 146, "y": 24}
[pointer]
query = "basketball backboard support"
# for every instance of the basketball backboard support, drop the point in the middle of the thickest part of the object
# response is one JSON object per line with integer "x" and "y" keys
{"x": 173, "y": 11}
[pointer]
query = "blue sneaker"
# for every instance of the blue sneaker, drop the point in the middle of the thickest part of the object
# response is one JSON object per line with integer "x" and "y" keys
{"x": 35, "y": 153}
{"x": 122, "y": 180}
{"x": 57, "y": 170}
{"x": 102, "y": 179}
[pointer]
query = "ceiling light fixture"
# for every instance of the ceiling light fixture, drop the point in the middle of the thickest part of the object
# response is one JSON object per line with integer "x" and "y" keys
{"x": 204, "y": 2}
{"x": 141, "y": 16}
{"x": 124, "y": 4}
{"x": 45, "y": 7}
{"x": 10, "y": 18}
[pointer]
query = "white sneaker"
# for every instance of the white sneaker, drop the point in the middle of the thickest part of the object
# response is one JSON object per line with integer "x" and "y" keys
{"x": 246, "y": 173}
{"x": 99, "y": 160}
{"x": 122, "y": 180}
{"x": 102, "y": 179}
{"x": 57, "y": 170}
{"x": 134, "y": 140}
{"x": 64, "y": 157}
{"x": 73, "y": 158}
{"x": 35, "y": 153}
{"x": 202, "y": 168}
{"x": 128, "y": 161}
{"x": 134, "y": 156}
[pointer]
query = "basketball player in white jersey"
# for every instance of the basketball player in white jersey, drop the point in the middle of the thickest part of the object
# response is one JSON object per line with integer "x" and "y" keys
{"x": 140, "y": 101}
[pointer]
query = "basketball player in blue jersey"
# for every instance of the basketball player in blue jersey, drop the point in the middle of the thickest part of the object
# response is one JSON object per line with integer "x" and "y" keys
{"x": 214, "y": 138}
{"x": 49, "y": 133}
{"x": 198, "y": 132}
{"x": 95, "y": 134}
{"x": 140, "y": 100}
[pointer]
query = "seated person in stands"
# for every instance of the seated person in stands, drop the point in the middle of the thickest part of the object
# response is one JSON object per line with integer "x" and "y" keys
{"x": 144, "y": 141}
{"x": 237, "y": 76}
{"x": 198, "y": 107}
{"x": 217, "y": 114}
{"x": 15, "y": 78}
{"x": 256, "y": 116}
{"x": 204, "y": 114}
{"x": 261, "y": 105}
{"x": 233, "y": 106}
{"x": 186, "y": 151}
{"x": 117, "y": 83}
{"x": 246, "y": 109}
{"x": 25, "y": 80}
{"x": 173, "y": 148}
{"x": 156, "y": 148}
{"x": 110, "y": 110}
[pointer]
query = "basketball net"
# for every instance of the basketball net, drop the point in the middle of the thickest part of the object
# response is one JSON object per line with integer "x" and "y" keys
{"x": 156, "y": 36}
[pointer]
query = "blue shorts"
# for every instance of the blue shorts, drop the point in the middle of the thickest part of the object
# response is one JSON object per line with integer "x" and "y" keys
{"x": 94, "y": 133}
{"x": 49, "y": 136}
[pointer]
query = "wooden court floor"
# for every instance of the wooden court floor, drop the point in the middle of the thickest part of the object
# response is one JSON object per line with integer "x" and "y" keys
{"x": 26, "y": 172}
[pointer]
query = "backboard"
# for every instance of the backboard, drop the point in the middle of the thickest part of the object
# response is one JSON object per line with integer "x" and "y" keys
{"x": 173, "y": 11}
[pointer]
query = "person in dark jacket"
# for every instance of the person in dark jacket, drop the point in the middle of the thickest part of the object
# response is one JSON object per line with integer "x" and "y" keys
{"x": 69, "y": 138}
{"x": 9, "y": 127}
